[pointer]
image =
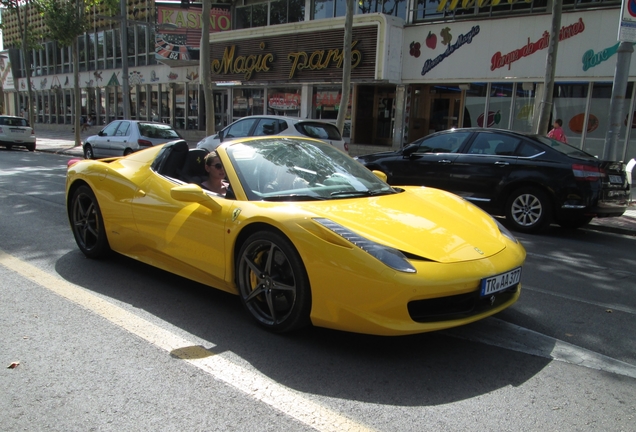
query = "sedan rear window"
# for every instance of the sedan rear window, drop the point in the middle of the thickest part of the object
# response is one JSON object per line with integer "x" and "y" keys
{"x": 13, "y": 121}
{"x": 153, "y": 130}
{"x": 566, "y": 149}
{"x": 323, "y": 131}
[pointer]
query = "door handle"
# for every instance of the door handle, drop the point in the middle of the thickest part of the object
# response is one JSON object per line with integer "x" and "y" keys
{"x": 501, "y": 164}
{"x": 444, "y": 161}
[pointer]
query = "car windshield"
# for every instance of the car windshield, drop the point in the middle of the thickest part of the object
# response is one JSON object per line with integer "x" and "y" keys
{"x": 154, "y": 130}
{"x": 286, "y": 169}
{"x": 566, "y": 149}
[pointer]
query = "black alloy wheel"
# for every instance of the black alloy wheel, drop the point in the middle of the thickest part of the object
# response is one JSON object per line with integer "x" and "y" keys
{"x": 273, "y": 283}
{"x": 87, "y": 224}
{"x": 88, "y": 152}
{"x": 528, "y": 210}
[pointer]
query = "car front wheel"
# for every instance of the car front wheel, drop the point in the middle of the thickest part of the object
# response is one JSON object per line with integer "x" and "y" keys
{"x": 273, "y": 283}
{"x": 528, "y": 210}
{"x": 87, "y": 223}
{"x": 88, "y": 152}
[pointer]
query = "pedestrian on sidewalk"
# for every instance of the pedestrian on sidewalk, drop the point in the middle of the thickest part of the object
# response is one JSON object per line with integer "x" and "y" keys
{"x": 557, "y": 132}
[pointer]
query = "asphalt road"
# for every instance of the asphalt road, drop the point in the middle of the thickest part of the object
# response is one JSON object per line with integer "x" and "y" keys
{"x": 117, "y": 345}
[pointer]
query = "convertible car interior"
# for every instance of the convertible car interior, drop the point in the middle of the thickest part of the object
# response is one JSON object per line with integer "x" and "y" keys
{"x": 176, "y": 160}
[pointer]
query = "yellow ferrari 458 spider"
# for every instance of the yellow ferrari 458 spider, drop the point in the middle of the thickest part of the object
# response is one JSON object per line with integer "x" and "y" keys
{"x": 304, "y": 235}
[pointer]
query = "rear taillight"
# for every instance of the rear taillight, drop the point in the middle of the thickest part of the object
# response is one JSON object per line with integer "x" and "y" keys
{"x": 144, "y": 143}
{"x": 32, "y": 132}
{"x": 587, "y": 172}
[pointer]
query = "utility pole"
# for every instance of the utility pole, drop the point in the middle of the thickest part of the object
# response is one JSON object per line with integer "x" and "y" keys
{"x": 626, "y": 36}
{"x": 125, "y": 85}
{"x": 550, "y": 70}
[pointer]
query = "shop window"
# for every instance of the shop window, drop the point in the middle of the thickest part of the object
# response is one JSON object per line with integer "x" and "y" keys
{"x": 251, "y": 16}
{"x": 498, "y": 106}
{"x": 180, "y": 106}
{"x": 283, "y": 101}
{"x": 389, "y": 7}
{"x": 569, "y": 102}
{"x": 523, "y": 115}
{"x": 193, "y": 108}
{"x": 247, "y": 102}
{"x": 328, "y": 8}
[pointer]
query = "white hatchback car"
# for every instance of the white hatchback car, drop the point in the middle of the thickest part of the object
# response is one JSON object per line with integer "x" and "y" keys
{"x": 261, "y": 125}
{"x": 122, "y": 137}
{"x": 16, "y": 132}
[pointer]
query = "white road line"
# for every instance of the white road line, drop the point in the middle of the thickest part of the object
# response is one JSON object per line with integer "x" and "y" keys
{"x": 495, "y": 332}
{"x": 258, "y": 386}
{"x": 617, "y": 307}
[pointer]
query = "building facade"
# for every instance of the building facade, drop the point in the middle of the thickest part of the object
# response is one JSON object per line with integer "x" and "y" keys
{"x": 417, "y": 67}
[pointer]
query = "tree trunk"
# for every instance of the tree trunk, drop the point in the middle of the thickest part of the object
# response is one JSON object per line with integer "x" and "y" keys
{"x": 77, "y": 92}
{"x": 27, "y": 65}
{"x": 346, "y": 68}
{"x": 550, "y": 69}
{"x": 204, "y": 73}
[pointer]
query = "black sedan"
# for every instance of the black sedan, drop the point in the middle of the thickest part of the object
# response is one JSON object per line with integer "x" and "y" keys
{"x": 530, "y": 179}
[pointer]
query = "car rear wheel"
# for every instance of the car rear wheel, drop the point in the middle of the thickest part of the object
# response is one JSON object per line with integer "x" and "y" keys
{"x": 127, "y": 152}
{"x": 88, "y": 152}
{"x": 575, "y": 223}
{"x": 9, "y": 146}
{"x": 528, "y": 210}
{"x": 87, "y": 224}
{"x": 31, "y": 147}
{"x": 273, "y": 283}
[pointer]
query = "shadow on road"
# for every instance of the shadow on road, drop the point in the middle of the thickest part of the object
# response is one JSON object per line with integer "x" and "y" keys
{"x": 419, "y": 370}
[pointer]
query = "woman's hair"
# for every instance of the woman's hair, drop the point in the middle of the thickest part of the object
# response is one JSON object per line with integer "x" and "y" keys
{"x": 559, "y": 122}
{"x": 210, "y": 157}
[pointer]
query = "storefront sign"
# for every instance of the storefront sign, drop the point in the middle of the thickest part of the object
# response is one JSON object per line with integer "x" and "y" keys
{"x": 179, "y": 31}
{"x": 591, "y": 59}
{"x": 299, "y": 57}
{"x": 500, "y": 60}
{"x": 461, "y": 40}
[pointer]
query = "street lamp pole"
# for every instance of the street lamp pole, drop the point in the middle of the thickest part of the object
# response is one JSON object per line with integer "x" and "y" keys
{"x": 124, "y": 59}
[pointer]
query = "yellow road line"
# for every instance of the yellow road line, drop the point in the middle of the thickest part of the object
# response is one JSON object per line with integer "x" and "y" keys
{"x": 258, "y": 386}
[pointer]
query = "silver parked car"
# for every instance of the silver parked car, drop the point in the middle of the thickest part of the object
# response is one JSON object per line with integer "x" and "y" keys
{"x": 122, "y": 137}
{"x": 16, "y": 132}
{"x": 261, "y": 125}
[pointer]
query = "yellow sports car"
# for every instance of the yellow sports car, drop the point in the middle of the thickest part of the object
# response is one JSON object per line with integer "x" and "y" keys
{"x": 304, "y": 235}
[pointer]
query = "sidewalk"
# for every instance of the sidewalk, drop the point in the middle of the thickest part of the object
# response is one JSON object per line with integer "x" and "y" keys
{"x": 60, "y": 139}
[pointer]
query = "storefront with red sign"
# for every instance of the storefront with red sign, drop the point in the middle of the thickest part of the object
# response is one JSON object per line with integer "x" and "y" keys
{"x": 296, "y": 70}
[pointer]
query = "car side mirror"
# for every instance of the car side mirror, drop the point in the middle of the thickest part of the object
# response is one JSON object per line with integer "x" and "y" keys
{"x": 380, "y": 175}
{"x": 220, "y": 135}
{"x": 101, "y": 133}
{"x": 192, "y": 193}
{"x": 409, "y": 150}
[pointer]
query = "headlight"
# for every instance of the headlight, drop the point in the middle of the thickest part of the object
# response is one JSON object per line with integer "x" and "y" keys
{"x": 388, "y": 256}
{"x": 505, "y": 231}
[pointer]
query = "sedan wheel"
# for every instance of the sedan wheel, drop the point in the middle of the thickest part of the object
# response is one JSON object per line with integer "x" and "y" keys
{"x": 528, "y": 210}
{"x": 272, "y": 282}
{"x": 31, "y": 147}
{"x": 87, "y": 223}
{"x": 127, "y": 152}
{"x": 88, "y": 152}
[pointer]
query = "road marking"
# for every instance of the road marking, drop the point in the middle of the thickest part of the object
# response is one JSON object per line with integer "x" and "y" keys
{"x": 499, "y": 333}
{"x": 256, "y": 385}
{"x": 612, "y": 306}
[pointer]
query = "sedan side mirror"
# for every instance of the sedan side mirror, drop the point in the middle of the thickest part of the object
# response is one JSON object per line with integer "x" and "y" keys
{"x": 409, "y": 150}
{"x": 220, "y": 135}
